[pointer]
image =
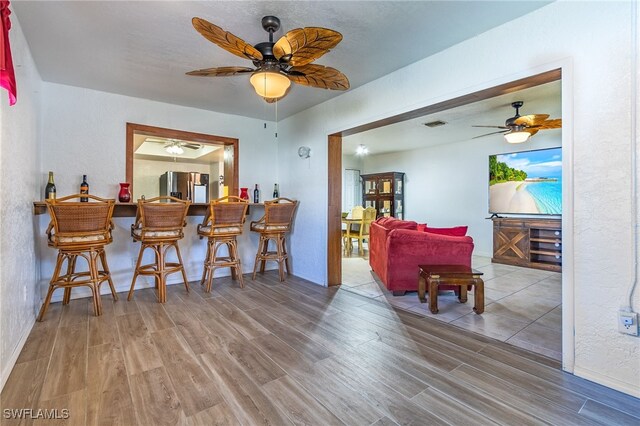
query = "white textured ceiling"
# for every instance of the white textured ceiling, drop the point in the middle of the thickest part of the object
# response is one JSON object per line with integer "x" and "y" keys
{"x": 144, "y": 48}
{"x": 413, "y": 134}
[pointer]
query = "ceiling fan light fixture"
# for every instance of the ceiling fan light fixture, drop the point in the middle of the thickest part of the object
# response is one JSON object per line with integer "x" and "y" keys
{"x": 517, "y": 137}
{"x": 269, "y": 84}
{"x": 362, "y": 150}
{"x": 174, "y": 149}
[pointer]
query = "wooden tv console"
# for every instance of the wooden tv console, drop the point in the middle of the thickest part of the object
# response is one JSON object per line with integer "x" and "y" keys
{"x": 529, "y": 242}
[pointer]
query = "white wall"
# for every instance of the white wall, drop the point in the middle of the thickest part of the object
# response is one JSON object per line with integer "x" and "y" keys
{"x": 88, "y": 127}
{"x": 447, "y": 185}
{"x": 21, "y": 182}
{"x": 593, "y": 40}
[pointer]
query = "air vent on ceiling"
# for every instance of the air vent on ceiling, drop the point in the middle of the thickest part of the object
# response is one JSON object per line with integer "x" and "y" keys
{"x": 436, "y": 123}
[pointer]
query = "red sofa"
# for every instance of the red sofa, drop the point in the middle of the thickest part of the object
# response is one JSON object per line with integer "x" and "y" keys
{"x": 397, "y": 247}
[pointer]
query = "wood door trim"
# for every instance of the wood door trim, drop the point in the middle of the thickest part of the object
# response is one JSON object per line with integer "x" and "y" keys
{"x": 334, "y": 167}
{"x": 133, "y": 128}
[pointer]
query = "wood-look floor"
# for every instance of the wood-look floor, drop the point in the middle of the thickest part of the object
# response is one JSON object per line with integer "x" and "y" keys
{"x": 282, "y": 353}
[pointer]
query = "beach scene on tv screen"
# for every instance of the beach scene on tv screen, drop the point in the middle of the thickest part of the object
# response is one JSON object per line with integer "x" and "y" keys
{"x": 527, "y": 182}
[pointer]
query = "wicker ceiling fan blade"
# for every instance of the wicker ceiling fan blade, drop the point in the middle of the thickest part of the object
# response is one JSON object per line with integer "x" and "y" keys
{"x": 531, "y": 131}
{"x": 221, "y": 71}
{"x": 531, "y": 120}
{"x": 314, "y": 75}
{"x": 492, "y": 127}
{"x": 226, "y": 40}
{"x": 191, "y": 145}
{"x": 492, "y": 133}
{"x": 555, "y": 123}
{"x": 304, "y": 45}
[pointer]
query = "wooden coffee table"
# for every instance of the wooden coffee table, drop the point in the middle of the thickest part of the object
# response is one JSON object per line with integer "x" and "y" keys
{"x": 432, "y": 276}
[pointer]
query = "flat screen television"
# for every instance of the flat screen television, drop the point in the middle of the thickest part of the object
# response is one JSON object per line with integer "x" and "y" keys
{"x": 526, "y": 182}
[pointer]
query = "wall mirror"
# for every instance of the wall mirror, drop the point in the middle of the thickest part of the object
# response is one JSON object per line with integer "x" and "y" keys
{"x": 191, "y": 166}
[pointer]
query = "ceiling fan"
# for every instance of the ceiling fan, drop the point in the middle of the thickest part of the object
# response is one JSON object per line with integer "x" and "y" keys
{"x": 280, "y": 63}
{"x": 174, "y": 146}
{"x": 520, "y": 128}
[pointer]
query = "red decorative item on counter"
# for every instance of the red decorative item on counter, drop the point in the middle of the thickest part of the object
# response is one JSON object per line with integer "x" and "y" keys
{"x": 244, "y": 193}
{"x": 124, "y": 196}
{"x": 7, "y": 75}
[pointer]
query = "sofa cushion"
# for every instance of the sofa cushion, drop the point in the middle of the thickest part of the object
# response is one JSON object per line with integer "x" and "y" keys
{"x": 456, "y": 231}
{"x": 393, "y": 223}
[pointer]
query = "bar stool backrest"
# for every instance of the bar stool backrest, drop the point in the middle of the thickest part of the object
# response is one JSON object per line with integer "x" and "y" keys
{"x": 228, "y": 211}
{"x": 279, "y": 212}
{"x": 160, "y": 216}
{"x": 75, "y": 223}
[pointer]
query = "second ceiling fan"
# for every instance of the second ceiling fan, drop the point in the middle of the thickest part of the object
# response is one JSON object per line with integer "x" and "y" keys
{"x": 519, "y": 128}
{"x": 280, "y": 63}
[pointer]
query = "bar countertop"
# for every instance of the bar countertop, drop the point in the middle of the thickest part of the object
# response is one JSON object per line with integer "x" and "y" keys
{"x": 129, "y": 209}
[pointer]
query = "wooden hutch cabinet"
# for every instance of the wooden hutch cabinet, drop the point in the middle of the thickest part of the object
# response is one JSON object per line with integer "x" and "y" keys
{"x": 385, "y": 193}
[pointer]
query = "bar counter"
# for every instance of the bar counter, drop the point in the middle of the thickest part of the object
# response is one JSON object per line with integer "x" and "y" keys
{"x": 129, "y": 209}
{"x": 122, "y": 253}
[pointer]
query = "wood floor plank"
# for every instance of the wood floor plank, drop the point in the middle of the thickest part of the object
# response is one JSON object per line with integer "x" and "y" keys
{"x": 606, "y": 415}
{"x": 255, "y": 364}
{"x": 335, "y": 395}
{"x": 140, "y": 353}
{"x": 241, "y": 298}
{"x": 75, "y": 313}
{"x": 607, "y": 396}
{"x": 385, "y": 421}
{"x": 242, "y": 322}
{"x": 108, "y": 387}
{"x": 153, "y": 313}
{"x": 519, "y": 398}
{"x": 450, "y": 410}
{"x": 194, "y": 331}
{"x": 23, "y": 388}
{"x": 67, "y": 366}
{"x": 246, "y": 399}
{"x": 218, "y": 415}
{"x": 194, "y": 389}
{"x": 291, "y": 336}
{"x": 155, "y": 400}
{"x": 103, "y": 329}
{"x": 39, "y": 343}
{"x": 284, "y": 355}
{"x": 298, "y": 404}
{"x": 398, "y": 408}
{"x": 125, "y": 307}
{"x": 76, "y": 404}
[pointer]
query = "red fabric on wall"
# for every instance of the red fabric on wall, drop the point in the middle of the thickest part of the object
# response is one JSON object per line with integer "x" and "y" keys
{"x": 7, "y": 75}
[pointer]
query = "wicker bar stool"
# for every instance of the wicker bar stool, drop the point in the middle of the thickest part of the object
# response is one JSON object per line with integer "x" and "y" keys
{"x": 276, "y": 222}
{"x": 159, "y": 225}
{"x": 222, "y": 224}
{"x": 79, "y": 229}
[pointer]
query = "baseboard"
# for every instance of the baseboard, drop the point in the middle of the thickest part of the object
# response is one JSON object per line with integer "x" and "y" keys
{"x": 609, "y": 382}
{"x": 6, "y": 370}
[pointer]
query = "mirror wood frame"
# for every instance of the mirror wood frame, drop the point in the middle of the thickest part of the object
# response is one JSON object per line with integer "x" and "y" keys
{"x": 231, "y": 163}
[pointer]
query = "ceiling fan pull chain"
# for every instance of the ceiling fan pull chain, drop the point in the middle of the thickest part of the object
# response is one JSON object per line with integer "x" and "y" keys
{"x": 276, "y": 117}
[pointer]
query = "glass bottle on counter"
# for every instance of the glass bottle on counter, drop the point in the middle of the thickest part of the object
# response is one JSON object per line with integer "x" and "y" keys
{"x": 256, "y": 195}
{"x": 50, "y": 189}
{"x": 276, "y": 193}
{"x": 84, "y": 189}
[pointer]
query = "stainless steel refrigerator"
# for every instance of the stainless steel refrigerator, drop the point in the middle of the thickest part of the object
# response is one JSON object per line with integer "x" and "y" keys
{"x": 190, "y": 186}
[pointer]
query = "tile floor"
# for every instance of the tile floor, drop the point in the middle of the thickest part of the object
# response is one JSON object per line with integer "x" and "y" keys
{"x": 522, "y": 306}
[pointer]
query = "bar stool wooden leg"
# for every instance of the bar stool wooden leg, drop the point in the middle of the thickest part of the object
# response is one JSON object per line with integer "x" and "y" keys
{"x": 255, "y": 264}
{"x": 135, "y": 272}
{"x": 238, "y": 263}
{"x": 286, "y": 255}
{"x": 207, "y": 261}
{"x": 184, "y": 273}
{"x": 279, "y": 257}
{"x": 95, "y": 282}
{"x": 71, "y": 266}
{"x": 265, "y": 253}
{"x": 105, "y": 267}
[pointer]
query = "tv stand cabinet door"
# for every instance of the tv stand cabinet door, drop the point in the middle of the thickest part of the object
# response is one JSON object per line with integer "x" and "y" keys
{"x": 511, "y": 243}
